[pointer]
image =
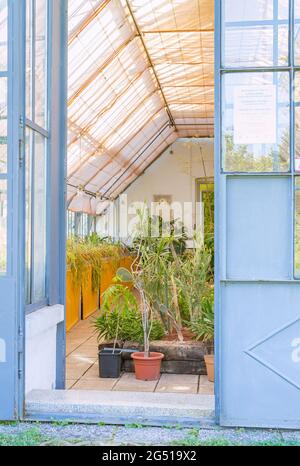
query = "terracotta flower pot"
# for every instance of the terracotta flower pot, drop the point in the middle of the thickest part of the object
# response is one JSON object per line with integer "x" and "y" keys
{"x": 210, "y": 367}
{"x": 147, "y": 368}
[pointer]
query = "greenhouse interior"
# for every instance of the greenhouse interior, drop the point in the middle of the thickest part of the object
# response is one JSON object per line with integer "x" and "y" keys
{"x": 140, "y": 155}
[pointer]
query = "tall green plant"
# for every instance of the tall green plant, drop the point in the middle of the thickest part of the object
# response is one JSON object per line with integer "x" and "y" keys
{"x": 83, "y": 254}
{"x": 203, "y": 323}
{"x": 192, "y": 274}
{"x": 171, "y": 277}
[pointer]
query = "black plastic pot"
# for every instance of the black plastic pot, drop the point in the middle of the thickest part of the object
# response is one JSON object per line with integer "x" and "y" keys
{"x": 110, "y": 361}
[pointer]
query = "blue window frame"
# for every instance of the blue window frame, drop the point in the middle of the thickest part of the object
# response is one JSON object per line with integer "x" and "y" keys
{"x": 3, "y": 136}
{"x": 37, "y": 149}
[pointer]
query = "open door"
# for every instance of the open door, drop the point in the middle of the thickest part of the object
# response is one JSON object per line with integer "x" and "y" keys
{"x": 11, "y": 168}
{"x": 17, "y": 93}
{"x": 258, "y": 295}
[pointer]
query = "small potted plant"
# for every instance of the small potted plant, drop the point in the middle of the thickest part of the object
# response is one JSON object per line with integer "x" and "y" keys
{"x": 119, "y": 312}
{"x": 203, "y": 328}
{"x": 147, "y": 364}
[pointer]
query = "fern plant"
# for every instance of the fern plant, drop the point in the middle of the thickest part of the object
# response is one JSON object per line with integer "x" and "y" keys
{"x": 121, "y": 318}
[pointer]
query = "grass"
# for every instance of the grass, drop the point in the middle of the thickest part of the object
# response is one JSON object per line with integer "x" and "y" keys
{"x": 31, "y": 437}
{"x": 193, "y": 441}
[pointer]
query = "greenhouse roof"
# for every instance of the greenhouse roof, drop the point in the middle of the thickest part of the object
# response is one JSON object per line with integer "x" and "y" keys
{"x": 141, "y": 75}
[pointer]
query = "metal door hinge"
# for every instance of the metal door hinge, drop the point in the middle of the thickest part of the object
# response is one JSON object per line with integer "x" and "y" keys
{"x": 20, "y": 340}
{"x": 20, "y": 352}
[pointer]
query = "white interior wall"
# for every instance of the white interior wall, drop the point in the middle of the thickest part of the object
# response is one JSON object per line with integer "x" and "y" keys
{"x": 174, "y": 173}
{"x": 41, "y": 348}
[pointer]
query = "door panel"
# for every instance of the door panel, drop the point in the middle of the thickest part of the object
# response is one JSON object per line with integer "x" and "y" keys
{"x": 11, "y": 115}
{"x": 257, "y": 297}
{"x": 260, "y": 355}
{"x": 7, "y": 349}
{"x": 258, "y": 228}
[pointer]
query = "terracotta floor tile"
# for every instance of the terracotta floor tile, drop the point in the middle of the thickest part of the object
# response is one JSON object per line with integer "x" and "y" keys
{"x": 70, "y": 383}
{"x": 93, "y": 372}
{"x": 95, "y": 384}
{"x": 129, "y": 383}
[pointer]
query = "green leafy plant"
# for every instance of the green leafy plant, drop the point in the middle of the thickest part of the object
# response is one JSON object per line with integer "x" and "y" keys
{"x": 192, "y": 276}
{"x": 90, "y": 252}
{"x": 171, "y": 279}
{"x": 121, "y": 317}
{"x": 203, "y": 324}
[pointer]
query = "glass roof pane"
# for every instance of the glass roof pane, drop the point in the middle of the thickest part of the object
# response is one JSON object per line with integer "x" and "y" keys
{"x": 128, "y": 82}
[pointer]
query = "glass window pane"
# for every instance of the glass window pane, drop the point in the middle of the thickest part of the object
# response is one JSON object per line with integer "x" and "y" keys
{"x": 256, "y": 122}
{"x": 3, "y": 35}
{"x": 297, "y": 122}
{"x": 297, "y": 32}
{"x": 41, "y": 62}
{"x": 297, "y": 228}
{"x": 3, "y": 227}
{"x": 29, "y": 38}
{"x": 28, "y": 200}
{"x": 255, "y": 33}
{"x": 39, "y": 219}
{"x": 3, "y": 125}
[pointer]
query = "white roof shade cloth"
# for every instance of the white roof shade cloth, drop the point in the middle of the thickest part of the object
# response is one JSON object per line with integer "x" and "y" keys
{"x": 141, "y": 75}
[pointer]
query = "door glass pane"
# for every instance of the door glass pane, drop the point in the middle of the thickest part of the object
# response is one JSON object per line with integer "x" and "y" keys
{"x": 256, "y": 122}
{"x": 29, "y": 38}
{"x": 41, "y": 63}
{"x": 3, "y": 35}
{"x": 3, "y": 227}
{"x": 297, "y": 32}
{"x": 297, "y": 122}
{"x": 28, "y": 201}
{"x": 297, "y": 228}
{"x": 3, "y": 125}
{"x": 39, "y": 252}
{"x": 255, "y": 32}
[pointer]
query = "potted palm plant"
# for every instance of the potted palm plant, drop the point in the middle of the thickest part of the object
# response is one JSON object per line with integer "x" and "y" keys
{"x": 147, "y": 364}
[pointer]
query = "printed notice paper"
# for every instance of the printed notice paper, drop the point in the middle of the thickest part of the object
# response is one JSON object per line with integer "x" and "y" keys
{"x": 254, "y": 114}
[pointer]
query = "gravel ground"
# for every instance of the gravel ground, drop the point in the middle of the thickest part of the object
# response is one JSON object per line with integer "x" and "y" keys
{"x": 80, "y": 434}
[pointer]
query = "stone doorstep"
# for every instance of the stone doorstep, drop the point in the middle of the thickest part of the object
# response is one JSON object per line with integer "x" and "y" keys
{"x": 176, "y": 408}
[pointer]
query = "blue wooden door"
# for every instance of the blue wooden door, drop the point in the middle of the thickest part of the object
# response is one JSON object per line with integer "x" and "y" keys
{"x": 257, "y": 224}
{"x": 11, "y": 167}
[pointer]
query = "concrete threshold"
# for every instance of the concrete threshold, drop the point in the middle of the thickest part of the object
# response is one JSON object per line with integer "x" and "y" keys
{"x": 120, "y": 408}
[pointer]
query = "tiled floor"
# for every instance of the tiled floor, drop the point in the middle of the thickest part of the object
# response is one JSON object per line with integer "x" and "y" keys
{"x": 83, "y": 372}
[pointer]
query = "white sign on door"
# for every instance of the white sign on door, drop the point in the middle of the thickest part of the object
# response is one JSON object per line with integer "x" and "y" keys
{"x": 254, "y": 114}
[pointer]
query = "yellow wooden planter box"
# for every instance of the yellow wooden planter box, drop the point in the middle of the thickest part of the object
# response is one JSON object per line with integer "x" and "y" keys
{"x": 90, "y": 298}
{"x": 73, "y": 302}
{"x": 109, "y": 270}
{"x": 127, "y": 262}
{"x": 108, "y": 273}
